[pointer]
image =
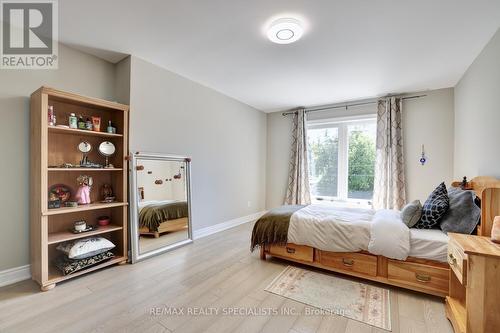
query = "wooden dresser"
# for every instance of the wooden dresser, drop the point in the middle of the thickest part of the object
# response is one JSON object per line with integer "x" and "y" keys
{"x": 474, "y": 301}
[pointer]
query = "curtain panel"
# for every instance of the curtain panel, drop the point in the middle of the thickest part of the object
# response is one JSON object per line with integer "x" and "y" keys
{"x": 390, "y": 185}
{"x": 298, "y": 192}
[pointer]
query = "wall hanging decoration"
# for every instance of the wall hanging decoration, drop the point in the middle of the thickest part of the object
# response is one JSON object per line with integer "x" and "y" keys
{"x": 423, "y": 158}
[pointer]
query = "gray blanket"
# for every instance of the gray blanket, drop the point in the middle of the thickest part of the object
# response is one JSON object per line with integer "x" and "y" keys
{"x": 463, "y": 215}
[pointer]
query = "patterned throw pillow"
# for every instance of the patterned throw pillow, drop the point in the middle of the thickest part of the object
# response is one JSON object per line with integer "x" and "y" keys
{"x": 68, "y": 266}
{"x": 85, "y": 247}
{"x": 434, "y": 208}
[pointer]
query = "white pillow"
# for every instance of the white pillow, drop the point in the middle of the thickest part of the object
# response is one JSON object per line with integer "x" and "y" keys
{"x": 85, "y": 247}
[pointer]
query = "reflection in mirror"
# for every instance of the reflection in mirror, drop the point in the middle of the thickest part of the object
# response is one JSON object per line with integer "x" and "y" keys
{"x": 161, "y": 191}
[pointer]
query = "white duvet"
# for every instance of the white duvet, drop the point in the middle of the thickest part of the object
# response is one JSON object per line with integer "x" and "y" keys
{"x": 339, "y": 229}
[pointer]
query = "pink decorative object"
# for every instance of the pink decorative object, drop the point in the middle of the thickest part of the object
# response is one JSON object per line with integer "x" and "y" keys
{"x": 83, "y": 193}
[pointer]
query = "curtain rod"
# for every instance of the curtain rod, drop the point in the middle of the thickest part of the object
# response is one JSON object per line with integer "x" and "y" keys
{"x": 323, "y": 108}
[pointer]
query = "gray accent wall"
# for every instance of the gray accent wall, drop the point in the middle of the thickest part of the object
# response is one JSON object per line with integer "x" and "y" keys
{"x": 477, "y": 115}
{"x": 225, "y": 138}
{"x": 78, "y": 72}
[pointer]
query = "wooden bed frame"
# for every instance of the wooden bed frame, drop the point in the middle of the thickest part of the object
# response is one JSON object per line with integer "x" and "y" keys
{"x": 426, "y": 276}
{"x": 166, "y": 226}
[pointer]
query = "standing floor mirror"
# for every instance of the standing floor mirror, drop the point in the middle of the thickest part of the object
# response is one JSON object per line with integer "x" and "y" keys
{"x": 160, "y": 204}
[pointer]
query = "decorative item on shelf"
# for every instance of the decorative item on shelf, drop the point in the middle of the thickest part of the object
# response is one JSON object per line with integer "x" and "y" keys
{"x": 103, "y": 220}
{"x": 81, "y": 123}
{"x": 96, "y": 124}
{"x": 88, "y": 124}
{"x": 85, "y": 186}
{"x": 58, "y": 194}
{"x": 107, "y": 149}
{"x": 52, "y": 116}
{"x": 54, "y": 203}
{"x": 80, "y": 225}
{"x": 71, "y": 204}
{"x": 107, "y": 194}
{"x": 85, "y": 148}
{"x": 73, "y": 121}
{"x": 464, "y": 185}
{"x": 423, "y": 158}
{"x": 495, "y": 231}
{"x": 87, "y": 229}
{"x": 110, "y": 129}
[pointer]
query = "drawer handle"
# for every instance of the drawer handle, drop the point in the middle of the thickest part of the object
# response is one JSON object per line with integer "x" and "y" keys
{"x": 290, "y": 250}
{"x": 452, "y": 260}
{"x": 424, "y": 278}
{"x": 348, "y": 262}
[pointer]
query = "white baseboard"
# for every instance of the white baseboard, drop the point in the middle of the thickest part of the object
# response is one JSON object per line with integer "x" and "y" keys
{"x": 203, "y": 232}
{"x": 16, "y": 274}
{"x": 13, "y": 275}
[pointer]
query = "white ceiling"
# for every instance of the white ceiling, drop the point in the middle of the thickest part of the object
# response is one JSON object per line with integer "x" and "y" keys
{"x": 351, "y": 49}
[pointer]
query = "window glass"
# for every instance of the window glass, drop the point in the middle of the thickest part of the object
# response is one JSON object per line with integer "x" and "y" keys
{"x": 361, "y": 160}
{"x": 323, "y": 144}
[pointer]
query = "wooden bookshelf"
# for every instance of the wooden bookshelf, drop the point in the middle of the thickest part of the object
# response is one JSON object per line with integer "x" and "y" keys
{"x": 54, "y": 146}
{"x": 64, "y": 236}
{"x": 92, "y": 206}
{"x": 73, "y": 131}
{"x": 82, "y": 170}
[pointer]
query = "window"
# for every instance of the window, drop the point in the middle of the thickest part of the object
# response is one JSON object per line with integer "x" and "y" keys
{"x": 342, "y": 159}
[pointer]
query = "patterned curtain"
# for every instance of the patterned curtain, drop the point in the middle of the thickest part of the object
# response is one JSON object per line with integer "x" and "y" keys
{"x": 389, "y": 188}
{"x": 298, "y": 180}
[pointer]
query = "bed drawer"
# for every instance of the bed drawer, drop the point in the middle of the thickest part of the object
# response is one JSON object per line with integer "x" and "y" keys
{"x": 354, "y": 262}
{"x": 458, "y": 261}
{"x": 417, "y": 275}
{"x": 293, "y": 251}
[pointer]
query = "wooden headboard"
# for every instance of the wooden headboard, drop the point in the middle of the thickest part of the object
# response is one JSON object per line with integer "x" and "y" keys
{"x": 488, "y": 191}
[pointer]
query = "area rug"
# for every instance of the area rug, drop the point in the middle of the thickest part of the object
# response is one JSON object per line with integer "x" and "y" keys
{"x": 335, "y": 295}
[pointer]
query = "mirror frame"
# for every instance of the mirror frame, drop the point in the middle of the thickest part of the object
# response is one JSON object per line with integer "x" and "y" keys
{"x": 135, "y": 255}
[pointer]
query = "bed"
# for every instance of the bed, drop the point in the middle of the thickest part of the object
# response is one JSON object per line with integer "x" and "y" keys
{"x": 157, "y": 217}
{"x": 348, "y": 247}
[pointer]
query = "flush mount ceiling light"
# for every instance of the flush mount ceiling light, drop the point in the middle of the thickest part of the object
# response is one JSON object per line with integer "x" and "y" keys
{"x": 285, "y": 31}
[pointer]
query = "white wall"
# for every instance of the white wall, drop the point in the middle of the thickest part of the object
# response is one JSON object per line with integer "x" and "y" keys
{"x": 78, "y": 72}
{"x": 170, "y": 189}
{"x": 427, "y": 121}
{"x": 477, "y": 116}
{"x": 225, "y": 138}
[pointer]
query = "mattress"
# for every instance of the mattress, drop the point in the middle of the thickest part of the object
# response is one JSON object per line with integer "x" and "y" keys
{"x": 333, "y": 229}
{"x": 431, "y": 244}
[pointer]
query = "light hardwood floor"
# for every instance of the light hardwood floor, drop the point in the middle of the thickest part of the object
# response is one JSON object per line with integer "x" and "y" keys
{"x": 216, "y": 272}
